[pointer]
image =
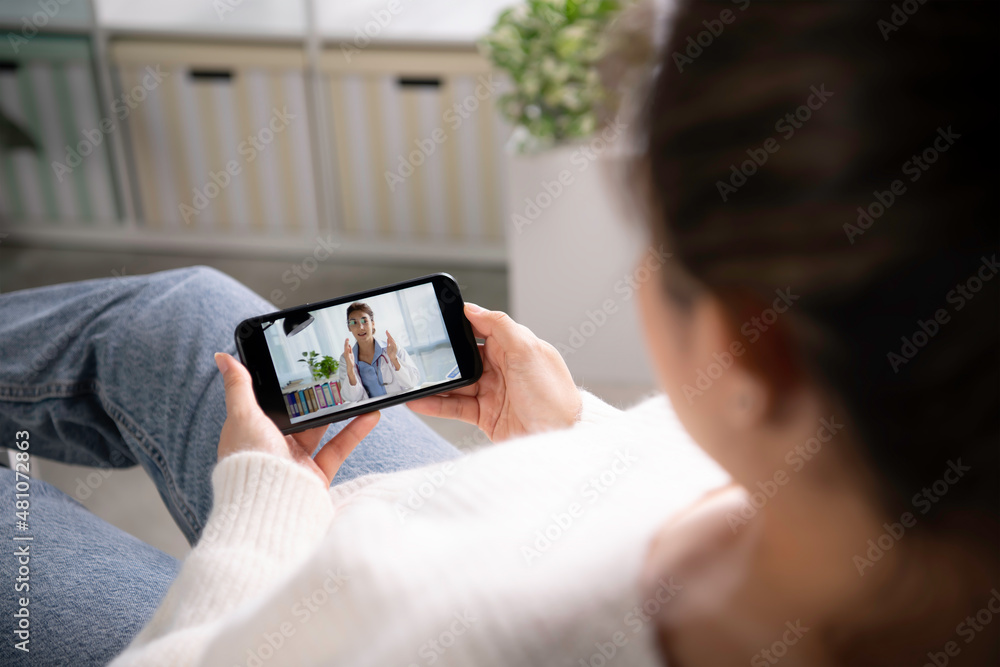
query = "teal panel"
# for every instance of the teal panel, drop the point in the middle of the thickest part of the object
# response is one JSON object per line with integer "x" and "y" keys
{"x": 47, "y": 47}
{"x": 60, "y": 13}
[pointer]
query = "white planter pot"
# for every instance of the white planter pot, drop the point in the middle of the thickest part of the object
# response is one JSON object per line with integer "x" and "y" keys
{"x": 572, "y": 257}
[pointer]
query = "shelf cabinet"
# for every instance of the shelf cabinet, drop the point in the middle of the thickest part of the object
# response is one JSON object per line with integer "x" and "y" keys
{"x": 47, "y": 89}
{"x": 220, "y": 140}
{"x": 417, "y": 146}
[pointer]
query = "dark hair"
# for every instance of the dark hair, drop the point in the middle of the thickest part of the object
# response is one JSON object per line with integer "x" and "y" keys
{"x": 363, "y": 307}
{"x": 749, "y": 204}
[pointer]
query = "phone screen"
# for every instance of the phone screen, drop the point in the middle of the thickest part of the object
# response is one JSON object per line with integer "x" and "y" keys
{"x": 353, "y": 354}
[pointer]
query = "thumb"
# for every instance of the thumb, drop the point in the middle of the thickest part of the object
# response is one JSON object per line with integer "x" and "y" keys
{"x": 334, "y": 452}
{"x": 239, "y": 390}
{"x": 493, "y": 323}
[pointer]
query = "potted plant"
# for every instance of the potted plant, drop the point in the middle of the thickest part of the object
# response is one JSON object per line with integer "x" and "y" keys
{"x": 548, "y": 49}
{"x": 568, "y": 246}
{"x": 320, "y": 367}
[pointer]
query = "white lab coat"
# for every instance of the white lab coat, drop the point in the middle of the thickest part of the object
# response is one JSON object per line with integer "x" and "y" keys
{"x": 407, "y": 377}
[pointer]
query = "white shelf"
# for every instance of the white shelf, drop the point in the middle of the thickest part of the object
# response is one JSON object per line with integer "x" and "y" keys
{"x": 200, "y": 18}
{"x": 430, "y": 22}
{"x": 433, "y": 22}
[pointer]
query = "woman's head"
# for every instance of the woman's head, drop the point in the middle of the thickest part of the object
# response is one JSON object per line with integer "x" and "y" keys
{"x": 827, "y": 181}
{"x": 824, "y": 176}
{"x": 361, "y": 321}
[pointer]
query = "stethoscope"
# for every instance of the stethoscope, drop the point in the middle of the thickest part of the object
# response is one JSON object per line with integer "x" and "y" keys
{"x": 382, "y": 363}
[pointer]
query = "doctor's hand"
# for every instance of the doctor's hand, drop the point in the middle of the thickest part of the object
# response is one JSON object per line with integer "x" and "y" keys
{"x": 349, "y": 361}
{"x": 525, "y": 388}
{"x": 247, "y": 428}
{"x": 391, "y": 349}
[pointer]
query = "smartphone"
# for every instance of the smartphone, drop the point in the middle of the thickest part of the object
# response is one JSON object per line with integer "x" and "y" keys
{"x": 333, "y": 360}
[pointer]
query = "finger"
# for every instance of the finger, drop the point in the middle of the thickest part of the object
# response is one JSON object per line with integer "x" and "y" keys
{"x": 308, "y": 440}
{"x": 239, "y": 390}
{"x": 495, "y": 323}
{"x": 332, "y": 456}
{"x": 469, "y": 390}
{"x": 462, "y": 408}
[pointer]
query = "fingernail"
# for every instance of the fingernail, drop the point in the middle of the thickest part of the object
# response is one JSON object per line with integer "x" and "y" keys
{"x": 473, "y": 308}
{"x": 222, "y": 362}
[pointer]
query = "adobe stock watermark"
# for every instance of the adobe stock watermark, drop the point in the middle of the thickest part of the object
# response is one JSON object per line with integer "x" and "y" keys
{"x": 62, "y": 338}
{"x": 428, "y": 316}
{"x": 581, "y": 159}
{"x": 626, "y": 287}
{"x": 222, "y": 520}
{"x": 85, "y": 486}
{"x": 924, "y": 500}
{"x": 562, "y": 522}
{"x": 779, "y": 648}
{"x": 223, "y": 7}
{"x": 121, "y": 106}
{"x": 30, "y": 25}
{"x": 752, "y": 330}
{"x": 301, "y": 271}
{"x": 967, "y": 630}
{"x": 898, "y": 17}
{"x": 363, "y": 35}
{"x": 925, "y": 330}
{"x": 425, "y": 147}
{"x": 417, "y": 497}
{"x": 434, "y": 480}
{"x": 249, "y": 149}
{"x": 696, "y": 44}
{"x": 914, "y": 168}
{"x": 269, "y": 643}
{"x": 786, "y": 126}
{"x": 635, "y": 620}
{"x": 796, "y": 458}
{"x": 435, "y": 647}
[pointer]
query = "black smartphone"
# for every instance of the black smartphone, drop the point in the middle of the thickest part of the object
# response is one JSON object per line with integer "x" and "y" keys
{"x": 333, "y": 360}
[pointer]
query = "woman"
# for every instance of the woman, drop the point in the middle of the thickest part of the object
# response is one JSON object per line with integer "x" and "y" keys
{"x": 371, "y": 368}
{"x": 848, "y": 517}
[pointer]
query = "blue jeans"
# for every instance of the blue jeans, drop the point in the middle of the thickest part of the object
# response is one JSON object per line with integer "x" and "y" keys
{"x": 114, "y": 373}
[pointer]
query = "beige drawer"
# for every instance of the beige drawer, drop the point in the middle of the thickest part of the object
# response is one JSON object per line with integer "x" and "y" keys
{"x": 417, "y": 144}
{"x": 221, "y": 141}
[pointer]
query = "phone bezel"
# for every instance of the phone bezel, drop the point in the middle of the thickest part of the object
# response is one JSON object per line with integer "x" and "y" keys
{"x": 251, "y": 346}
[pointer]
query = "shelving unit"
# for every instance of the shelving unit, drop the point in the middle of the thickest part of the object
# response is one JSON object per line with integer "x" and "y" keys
{"x": 337, "y": 171}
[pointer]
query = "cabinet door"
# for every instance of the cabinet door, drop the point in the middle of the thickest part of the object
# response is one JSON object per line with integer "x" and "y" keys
{"x": 47, "y": 91}
{"x": 417, "y": 145}
{"x": 220, "y": 138}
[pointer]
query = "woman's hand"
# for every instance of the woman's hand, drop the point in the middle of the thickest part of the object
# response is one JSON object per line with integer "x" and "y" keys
{"x": 525, "y": 388}
{"x": 247, "y": 428}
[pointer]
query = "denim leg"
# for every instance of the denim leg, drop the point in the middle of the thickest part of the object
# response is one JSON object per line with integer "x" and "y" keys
{"x": 90, "y": 586}
{"x": 119, "y": 371}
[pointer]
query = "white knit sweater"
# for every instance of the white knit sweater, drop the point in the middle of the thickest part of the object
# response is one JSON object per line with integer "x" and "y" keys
{"x": 523, "y": 553}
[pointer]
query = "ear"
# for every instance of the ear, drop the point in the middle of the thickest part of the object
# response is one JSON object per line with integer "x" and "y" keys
{"x": 760, "y": 330}
{"x": 737, "y": 390}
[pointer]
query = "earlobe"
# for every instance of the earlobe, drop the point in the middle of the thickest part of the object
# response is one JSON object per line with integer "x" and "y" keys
{"x": 746, "y": 403}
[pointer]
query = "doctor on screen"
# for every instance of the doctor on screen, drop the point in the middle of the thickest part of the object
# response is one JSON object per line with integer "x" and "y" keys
{"x": 369, "y": 368}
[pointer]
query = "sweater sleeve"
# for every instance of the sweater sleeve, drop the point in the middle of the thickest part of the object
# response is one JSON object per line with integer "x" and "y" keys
{"x": 593, "y": 410}
{"x": 268, "y": 515}
{"x": 408, "y": 374}
{"x": 349, "y": 392}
